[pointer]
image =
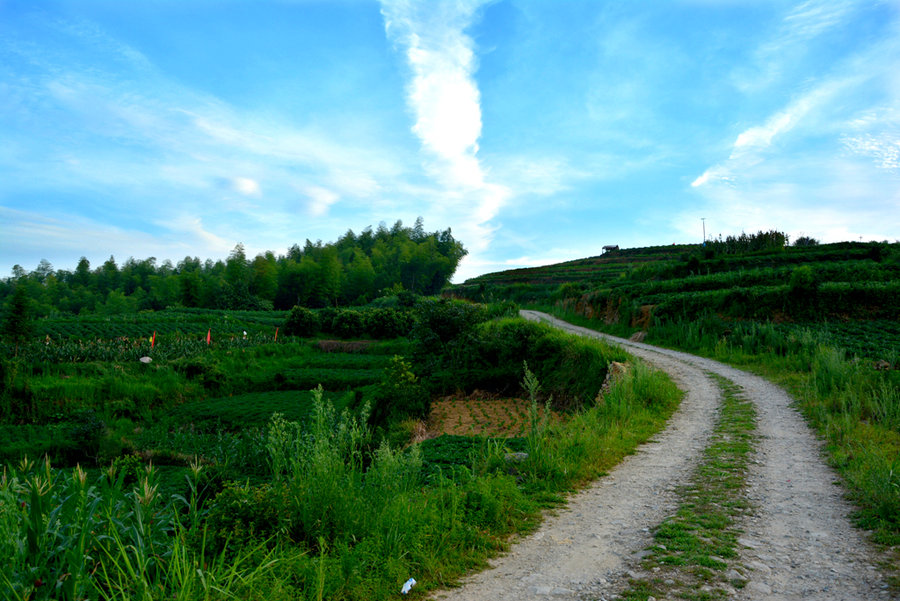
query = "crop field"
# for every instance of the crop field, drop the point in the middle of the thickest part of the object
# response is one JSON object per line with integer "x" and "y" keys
{"x": 176, "y": 322}
{"x": 283, "y": 468}
{"x": 837, "y": 282}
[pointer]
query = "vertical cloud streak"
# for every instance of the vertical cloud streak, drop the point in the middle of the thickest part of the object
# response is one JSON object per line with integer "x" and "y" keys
{"x": 445, "y": 101}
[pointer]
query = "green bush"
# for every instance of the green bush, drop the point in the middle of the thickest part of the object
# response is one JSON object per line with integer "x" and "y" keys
{"x": 86, "y": 432}
{"x": 399, "y": 394}
{"x": 242, "y": 514}
{"x": 349, "y": 323}
{"x": 444, "y": 320}
{"x": 570, "y": 368}
{"x": 386, "y": 323}
{"x": 302, "y": 322}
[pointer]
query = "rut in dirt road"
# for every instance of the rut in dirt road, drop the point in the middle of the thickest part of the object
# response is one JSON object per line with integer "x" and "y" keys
{"x": 799, "y": 544}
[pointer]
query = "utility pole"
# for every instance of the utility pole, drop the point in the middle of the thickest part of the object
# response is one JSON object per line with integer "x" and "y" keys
{"x": 703, "y": 219}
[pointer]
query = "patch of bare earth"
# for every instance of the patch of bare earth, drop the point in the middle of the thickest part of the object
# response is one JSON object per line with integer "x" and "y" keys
{"x": 479, "y": 414}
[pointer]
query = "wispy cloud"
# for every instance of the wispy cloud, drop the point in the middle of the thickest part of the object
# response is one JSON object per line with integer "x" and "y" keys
{"x": 798, "y": 33}
{"x": 445, "y": 101}
{"x": 884, "y": 148}
{"x": 834, "y": 144}
{"x": 144, "y": 145}
{"x": 753, "y": 144}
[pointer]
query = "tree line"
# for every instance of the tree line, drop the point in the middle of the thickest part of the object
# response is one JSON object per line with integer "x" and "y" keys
{"x": 350, "y": 271}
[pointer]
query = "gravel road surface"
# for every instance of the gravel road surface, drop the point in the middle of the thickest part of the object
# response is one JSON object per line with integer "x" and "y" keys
{"x": 798, "y": 544}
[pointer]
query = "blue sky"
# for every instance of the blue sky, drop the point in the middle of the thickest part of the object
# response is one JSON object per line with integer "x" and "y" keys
{"x": 538, "y": 131}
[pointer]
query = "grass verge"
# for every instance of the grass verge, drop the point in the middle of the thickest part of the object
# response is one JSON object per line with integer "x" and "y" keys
{"x": 694, "y": 551}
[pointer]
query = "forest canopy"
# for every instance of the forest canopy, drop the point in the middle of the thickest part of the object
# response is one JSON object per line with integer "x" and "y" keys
{"x": 355, "y": 269}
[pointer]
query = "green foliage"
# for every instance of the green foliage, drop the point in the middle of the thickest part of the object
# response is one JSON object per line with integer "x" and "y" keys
{"x": 570, "y": 368}
{"x": 747, "y": 243}
{"x": 283, "y": 506}
{"x": 744, "y": 277}
{"x": 387, "y": 323}
{"x": 400, "y": 394}
{"x": 67, "y": 537}
{"x": 803, "y": 280}
{"x": 86, "y": 432}
{"x": 348, "y": 323}
{"x": 302, "y": 322}
{"x": 442, "y": 321}
{"x": 16, "y": 318}
{"x": 539, "y": 462}
{"x": 353, "y": 270}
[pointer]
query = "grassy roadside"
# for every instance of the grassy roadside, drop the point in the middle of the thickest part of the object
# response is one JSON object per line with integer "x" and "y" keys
{"x": 852, "y": 406}
{"x": 694, "y": 551}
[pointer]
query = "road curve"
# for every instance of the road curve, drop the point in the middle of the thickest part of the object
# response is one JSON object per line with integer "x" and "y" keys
{"x": 798, "y": 545}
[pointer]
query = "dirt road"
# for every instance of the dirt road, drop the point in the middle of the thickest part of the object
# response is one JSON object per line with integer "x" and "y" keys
{"x": 799, "y": 544}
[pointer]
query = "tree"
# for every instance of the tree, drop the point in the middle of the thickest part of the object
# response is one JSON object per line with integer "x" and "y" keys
{"x": 108, "y": 276}
{"x": 236, "y": 267}
{"x": 17, "y": 321}
{"x": 43, "y": 270}
{"x": 264, "y": 276}
{"x": 82, "y": 276}
{"x": 190, "y": 287}
{"x": 117, "y": 303}
{"x": 359, "y": 279}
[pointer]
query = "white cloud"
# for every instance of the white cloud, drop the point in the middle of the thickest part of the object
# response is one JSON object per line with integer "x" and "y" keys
{"x": 442, "y": 92}
{"x": 319, "y": 200}
{"x": 801, "y": 28}
{"x": 701, "y": 179}
{"x": 753, "y": 145}
{"x": 884, "y": 148}
{"x": 831, "y": 198}
{"x": 63, "y": 237}
{"x": 192, "y": 233}
{"x": 445, "y": 101}
{"x": 246, "y": 186}
{"x": 814, "y": 17}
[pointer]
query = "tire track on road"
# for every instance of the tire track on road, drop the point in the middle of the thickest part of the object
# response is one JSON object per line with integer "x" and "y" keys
{"x": 800, "y": 543}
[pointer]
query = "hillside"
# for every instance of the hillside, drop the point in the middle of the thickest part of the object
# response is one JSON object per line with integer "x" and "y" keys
{"x": 854, "y": 286}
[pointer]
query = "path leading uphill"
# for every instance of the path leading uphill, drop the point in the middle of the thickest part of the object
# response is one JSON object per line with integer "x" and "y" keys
{"x": 799, "y": 543}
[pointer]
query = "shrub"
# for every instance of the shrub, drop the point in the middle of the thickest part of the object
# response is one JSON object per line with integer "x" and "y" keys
{"x": 302, "y": 322}
{"x": 570, "y": 368}
{"x": 406, "y": 298}
{"x": 241, "y": 513}
{"x": 349, "y": 323}
{"x": 86, "y": 432}
{"x": 400, "y": 394}
{"x": 388, "y": 323}
{"x": 803, "y": 280}
{"x": 443, "y": 320}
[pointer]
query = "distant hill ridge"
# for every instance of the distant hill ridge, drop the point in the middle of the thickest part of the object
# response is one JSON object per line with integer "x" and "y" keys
{"x": 755, "y": 276}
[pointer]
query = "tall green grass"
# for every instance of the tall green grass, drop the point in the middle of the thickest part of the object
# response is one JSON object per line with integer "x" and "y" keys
{"x": 63, "y": 537}
{"x": 341, "y": 516}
